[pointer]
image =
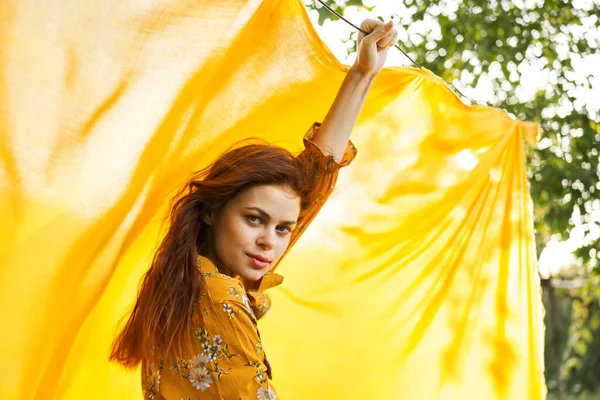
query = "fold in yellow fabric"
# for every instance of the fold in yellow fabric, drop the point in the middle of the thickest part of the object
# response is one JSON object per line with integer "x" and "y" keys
{"x": 417, "y": 280}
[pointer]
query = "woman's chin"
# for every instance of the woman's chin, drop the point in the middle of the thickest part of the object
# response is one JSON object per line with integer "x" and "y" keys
{"x": 251, "y": 281}
{"x": 252, "y": 276}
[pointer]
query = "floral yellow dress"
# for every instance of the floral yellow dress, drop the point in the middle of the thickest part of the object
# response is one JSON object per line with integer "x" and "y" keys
{"x": 229, "y": 361}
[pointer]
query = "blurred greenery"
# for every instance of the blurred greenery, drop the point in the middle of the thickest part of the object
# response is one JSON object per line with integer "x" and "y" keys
{"x": 500, "y": 40}
{"x": 582, "y": 396}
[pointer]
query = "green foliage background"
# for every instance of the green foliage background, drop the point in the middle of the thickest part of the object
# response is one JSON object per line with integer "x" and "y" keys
{"x": 465, "y": 41}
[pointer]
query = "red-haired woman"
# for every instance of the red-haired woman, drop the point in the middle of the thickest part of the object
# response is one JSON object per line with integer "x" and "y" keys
{"x": 194, "y": 324}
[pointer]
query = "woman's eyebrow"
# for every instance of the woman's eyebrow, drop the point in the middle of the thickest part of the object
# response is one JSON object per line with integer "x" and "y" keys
{"x": 267, "y": 216}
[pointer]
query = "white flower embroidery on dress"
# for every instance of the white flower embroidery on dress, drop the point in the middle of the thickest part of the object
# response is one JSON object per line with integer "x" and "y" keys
{"x": 199, "y": 361}
{"x": 230, "y": 311}
{"x": 152, "y": 384}
{"x": 204, "y": 368}
{"x": 247, "y": 304}
{"x": 233, "y": 292}
{"x": 260, "y": 369}
{"x": 198, "y": 373}
{"x": 266, "y": 394}
{"x": 200, "y": 378}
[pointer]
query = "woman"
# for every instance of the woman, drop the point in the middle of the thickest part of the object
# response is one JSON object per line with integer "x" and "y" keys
{"x": 194, "y": 324}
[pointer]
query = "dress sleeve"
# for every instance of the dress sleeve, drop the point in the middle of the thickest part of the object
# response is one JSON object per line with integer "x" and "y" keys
{"x": 322, "y": 157}
{"x": 228, "y": 359}
{"x": 320, "y": 169}
{"x": 151, "y": 381}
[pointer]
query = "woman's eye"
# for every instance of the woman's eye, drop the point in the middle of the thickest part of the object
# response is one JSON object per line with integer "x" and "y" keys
{"x": 284, "y": 229}
{"x": 253, "y": 219}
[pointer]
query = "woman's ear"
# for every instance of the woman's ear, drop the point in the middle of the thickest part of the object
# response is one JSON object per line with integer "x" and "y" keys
{"x": 208, "y": 217}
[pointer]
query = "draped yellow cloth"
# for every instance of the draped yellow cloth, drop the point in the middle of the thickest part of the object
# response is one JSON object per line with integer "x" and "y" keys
{"x": 416, "y": 281}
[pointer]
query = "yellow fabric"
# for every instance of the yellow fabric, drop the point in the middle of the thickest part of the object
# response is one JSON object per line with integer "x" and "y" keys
{"x": 416, "y": 281}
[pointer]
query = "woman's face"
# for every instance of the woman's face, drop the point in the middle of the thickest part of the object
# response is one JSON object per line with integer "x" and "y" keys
{"x": 252, "y": 231}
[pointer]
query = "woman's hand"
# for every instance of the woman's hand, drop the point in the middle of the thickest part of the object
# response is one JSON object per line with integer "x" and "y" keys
{"x": 373, "y": 48}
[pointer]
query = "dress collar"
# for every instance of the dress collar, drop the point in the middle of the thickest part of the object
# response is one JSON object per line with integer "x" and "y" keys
{"x": 207, "y": 266}
{"x": 268, "y": 281}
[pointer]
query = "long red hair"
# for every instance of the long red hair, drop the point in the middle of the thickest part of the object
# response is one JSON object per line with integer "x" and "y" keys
{"x": 160, "y": 324}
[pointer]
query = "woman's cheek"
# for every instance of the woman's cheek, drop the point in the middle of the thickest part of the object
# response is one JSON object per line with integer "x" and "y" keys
{"x": 282, "y": 245}
{"x": 246, "y": 234}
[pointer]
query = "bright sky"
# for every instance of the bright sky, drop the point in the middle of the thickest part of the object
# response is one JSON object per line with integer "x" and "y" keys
{"x": 557, "y": 255}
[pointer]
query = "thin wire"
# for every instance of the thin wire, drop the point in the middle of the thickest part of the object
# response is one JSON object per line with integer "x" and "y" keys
{"x": 365, "y": 33}
{"x": 396, "y": 46}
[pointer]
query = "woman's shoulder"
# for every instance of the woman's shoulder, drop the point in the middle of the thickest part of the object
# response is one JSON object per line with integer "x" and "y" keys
{"x": 217, "y": 286}
{"x": 220, "y": 287}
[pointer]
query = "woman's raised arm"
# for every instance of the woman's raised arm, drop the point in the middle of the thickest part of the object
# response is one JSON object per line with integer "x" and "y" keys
{"x": 372, "y": 50}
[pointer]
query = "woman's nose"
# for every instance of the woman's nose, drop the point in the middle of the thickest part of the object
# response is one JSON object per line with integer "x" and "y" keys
{"x": 266, "y": 240}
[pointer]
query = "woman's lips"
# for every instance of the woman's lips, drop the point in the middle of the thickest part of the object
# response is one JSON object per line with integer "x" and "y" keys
{"x": 258, "y": 263}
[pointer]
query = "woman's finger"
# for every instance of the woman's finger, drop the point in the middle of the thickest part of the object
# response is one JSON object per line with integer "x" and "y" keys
{"x": 379, "y": 33}
{"x": 389, "y": 40}
{"x": 368, "y": 25}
